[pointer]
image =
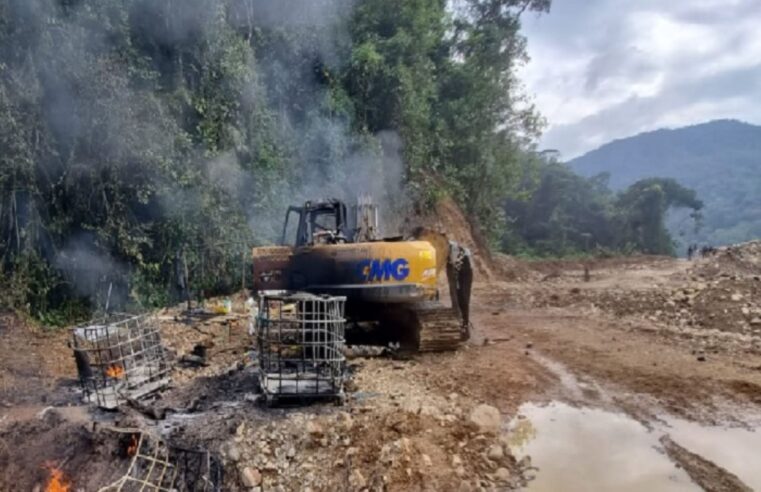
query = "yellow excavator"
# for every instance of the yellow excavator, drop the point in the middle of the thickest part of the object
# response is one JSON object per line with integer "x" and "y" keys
{"x": 390, "y": 283}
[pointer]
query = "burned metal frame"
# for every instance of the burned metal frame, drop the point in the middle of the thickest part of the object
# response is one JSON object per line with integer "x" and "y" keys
{"x": 300, "y": 340}
{"x": 158, "y": 467}
{"x": 118, "y": 358}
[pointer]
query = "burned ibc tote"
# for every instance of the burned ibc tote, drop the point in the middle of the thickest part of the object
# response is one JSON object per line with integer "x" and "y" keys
{"x": 300, "y": 339}
{"x": 120, "y": 358}
{"x": 156, "y": 466}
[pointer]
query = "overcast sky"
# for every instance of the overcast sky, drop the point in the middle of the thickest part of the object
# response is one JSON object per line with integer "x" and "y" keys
{"x": 606, "y": 69}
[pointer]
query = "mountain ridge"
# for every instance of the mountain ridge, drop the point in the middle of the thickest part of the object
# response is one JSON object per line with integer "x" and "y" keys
{"x": 720, "y": 159}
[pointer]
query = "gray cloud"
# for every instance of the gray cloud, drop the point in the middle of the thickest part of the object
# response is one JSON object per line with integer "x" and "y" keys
{"x": 724, "y": 95}
{"x": 607, "y": 69}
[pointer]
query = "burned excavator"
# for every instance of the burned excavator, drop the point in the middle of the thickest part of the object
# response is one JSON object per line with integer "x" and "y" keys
{"x": 390, "y": 283}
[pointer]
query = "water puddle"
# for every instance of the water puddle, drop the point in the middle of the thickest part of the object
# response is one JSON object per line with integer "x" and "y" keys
{"x": 737, "y": 450}
{"x": 570, "y": 383}
{"x": 582, "y": 449}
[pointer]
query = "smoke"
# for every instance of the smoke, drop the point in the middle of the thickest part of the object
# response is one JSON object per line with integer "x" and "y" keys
{"x": 92, "y": 273}
{"x": 376, "y": 170}
{"x": 331, "y": 159}
{"x": 110, "y": 91}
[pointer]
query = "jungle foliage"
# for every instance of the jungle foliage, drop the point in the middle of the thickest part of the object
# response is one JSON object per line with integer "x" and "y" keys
{"x": 561, "y": 213}
{"x": 149, "y": 143}
{"x": 143, "y": 142}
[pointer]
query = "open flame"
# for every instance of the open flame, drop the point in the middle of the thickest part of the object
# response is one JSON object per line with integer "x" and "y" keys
{"x": 57, "y": 482}
{"x": 132, "y": 448}
{"x": 115, "y": 371}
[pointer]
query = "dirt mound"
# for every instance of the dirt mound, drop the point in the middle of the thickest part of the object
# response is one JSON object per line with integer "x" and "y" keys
{"x": 448, "y": 218}
{"x": 738, "y": 259}
{"x": 724, "y": 305}
{"x": 363, "y": 448}
{"x": 720, "y": 293}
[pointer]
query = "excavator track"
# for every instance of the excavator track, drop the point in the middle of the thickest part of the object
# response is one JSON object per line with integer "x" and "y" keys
{"x": 438, "y": 328}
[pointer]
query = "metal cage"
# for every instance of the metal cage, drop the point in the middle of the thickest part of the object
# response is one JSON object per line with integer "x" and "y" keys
{"x": 156, "y": 466}
{"x": 300, "y": 339}
{"x": 120, "y": 358}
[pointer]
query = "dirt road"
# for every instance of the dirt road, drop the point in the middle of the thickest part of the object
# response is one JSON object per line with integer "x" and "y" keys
{"x": 645, "y": 376}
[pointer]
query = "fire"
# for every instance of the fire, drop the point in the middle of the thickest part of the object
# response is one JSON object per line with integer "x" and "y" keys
{"x": 115, "y": 371}
{"x": 57, "y": 482}
{"x": 132, "y": 448}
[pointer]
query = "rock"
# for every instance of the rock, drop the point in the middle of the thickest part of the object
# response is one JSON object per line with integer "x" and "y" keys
{"x": 386, "y": 454}
{"x": 495, "y": 452}
{"x": 525, "y": 462}
{"x": 502, "y": 475}
{"x": 241, "y": 429}
{"x": 755, "y": 322}
{"x": 486, "y": 418}
{"x": 345, "y": 421}
{"x": 460, "y": 471}
{"x": 314, "y": 429}
{"x": 357, "y": 480}
{"x": 456, "y": 461}
{"x": 251, "y": 477}
{"x": 430, "y": 411}
{"x": 736, "y": 297}
{"x": 230, "y": 451}
{"x": 426, "y": 460}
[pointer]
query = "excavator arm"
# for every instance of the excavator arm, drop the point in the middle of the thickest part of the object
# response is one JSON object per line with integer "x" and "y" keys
{"x": 457, "y": 261}
{"x": 460, "y": 279}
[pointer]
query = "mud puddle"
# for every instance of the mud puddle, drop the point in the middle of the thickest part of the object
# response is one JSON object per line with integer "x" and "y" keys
{"x": 737, "y": 450}
{"x": 581, "y": 449}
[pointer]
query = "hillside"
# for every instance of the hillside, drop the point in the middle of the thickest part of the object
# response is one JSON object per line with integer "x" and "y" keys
{"x": 720, "y": 159}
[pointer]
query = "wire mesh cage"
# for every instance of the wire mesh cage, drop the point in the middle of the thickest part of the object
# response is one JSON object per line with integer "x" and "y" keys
{"x": 156, "y": 466}
{"x": 120, "y": 358}
{"x": 300, "y": 339}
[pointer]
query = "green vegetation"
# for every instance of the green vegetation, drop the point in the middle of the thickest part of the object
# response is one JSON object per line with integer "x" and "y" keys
{"x": 720, "y": 160}
{"x": 142, "y": 139}
{"x": 144, "y": 143}
{"x": 561, "y": 213}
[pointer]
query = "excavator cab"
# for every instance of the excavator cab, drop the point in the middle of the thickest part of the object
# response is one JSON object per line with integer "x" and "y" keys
{"x": 316, "y": 223}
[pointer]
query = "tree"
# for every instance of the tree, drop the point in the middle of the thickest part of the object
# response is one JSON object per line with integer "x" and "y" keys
{"x": 642, "y": 212}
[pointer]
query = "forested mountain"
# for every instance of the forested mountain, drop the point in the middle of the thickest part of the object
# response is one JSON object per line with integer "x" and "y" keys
{"x": 721, "y": 160}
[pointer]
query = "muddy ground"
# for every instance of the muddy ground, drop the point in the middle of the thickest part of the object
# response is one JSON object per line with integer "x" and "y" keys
{"x": 613, "y": 374}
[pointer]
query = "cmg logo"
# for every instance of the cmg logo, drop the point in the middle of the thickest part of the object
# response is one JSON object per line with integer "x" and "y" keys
{"x": 385, "y": 269}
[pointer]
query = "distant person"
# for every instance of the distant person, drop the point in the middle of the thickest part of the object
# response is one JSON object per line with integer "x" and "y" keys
{"x": 690, "y": 252}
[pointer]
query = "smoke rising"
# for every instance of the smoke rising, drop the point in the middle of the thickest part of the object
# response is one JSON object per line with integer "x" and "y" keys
{"x": 93, "y": 273}
{"x": 164, "y": 124}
